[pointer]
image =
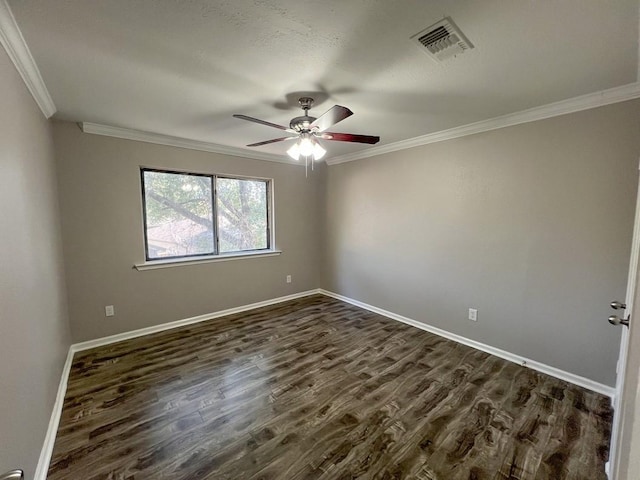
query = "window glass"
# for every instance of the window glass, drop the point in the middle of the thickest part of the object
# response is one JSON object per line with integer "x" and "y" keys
{"x": 179, "y": 214}
{"x": 242, "y": 214}
{"x": 180, "y": 219}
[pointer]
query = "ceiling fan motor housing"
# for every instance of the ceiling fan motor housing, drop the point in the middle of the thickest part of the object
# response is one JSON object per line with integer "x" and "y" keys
{"x": 302, "y": 124}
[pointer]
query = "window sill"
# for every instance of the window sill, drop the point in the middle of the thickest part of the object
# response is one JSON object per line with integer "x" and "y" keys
{"x": 181, "y": 262}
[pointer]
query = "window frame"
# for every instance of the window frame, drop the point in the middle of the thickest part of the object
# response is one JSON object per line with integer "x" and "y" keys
{"x": 215, "y": 255}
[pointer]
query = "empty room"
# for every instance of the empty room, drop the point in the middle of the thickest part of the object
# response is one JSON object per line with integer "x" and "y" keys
{"x": 269, "y": 239}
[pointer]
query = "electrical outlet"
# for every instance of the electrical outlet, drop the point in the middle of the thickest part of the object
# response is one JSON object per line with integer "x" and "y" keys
{"x": 288, "y": 278}
{"x": 109, "y": 311}
{"x": 473, "y": 314}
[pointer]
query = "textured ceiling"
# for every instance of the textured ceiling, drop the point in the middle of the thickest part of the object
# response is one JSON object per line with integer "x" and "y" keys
{"x": 183, "y": 67}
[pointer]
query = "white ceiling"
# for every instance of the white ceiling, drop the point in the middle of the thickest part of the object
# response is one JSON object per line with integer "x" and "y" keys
{"x": 183, "y": 67}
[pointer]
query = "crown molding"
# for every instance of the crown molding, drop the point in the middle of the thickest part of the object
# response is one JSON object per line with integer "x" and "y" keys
{"x": 563, "y": 107}
{"x": 13, "y": 42}
{"x": 584, "y": 102}
{"x": 160, "y": 139}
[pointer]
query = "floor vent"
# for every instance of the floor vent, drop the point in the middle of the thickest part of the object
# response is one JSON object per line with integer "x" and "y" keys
{"x": 442, "y": 41}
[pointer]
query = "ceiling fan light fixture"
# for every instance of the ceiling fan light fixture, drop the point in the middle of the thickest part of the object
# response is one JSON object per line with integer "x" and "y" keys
{"x": 318, "y": 151}
{"x": 308, "y": 147}
{"x": 294, "y": 151}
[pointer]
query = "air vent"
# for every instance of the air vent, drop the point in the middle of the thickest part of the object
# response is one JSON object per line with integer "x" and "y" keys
{"x": 442, "y": 41}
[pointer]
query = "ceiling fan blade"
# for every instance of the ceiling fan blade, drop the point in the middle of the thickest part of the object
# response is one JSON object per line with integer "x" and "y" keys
{"x": 332, "y": 116}
{"x": 350, "y": 137}
{"x": 267, "y": 142}
{"x": 262, "y": 122}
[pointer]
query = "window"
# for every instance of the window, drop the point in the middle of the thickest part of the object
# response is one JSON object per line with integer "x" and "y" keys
{"x": 191, "y": 214}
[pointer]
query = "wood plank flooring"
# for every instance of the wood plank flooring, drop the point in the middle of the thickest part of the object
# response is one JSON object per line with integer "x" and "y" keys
{"x": 318, "y": 389}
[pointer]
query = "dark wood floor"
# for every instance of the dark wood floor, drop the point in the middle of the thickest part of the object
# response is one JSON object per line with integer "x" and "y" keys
{"x": 318, "y": 389}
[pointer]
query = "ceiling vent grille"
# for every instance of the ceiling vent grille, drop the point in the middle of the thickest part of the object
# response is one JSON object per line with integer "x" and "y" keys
{"x": 443, "y": 40}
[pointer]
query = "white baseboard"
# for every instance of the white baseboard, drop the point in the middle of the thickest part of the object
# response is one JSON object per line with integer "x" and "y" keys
{"x": 50, "y": 437}
{"x": 526, "y": 362}
{"x": 99, "y": 342}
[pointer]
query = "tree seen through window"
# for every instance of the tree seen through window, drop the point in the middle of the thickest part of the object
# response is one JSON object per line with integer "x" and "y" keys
{"x": 180, "y": 219}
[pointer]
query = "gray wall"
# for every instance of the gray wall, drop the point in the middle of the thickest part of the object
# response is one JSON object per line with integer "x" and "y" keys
{"x": 100, "y": 198}
{"x": 34, "y": 331}
{"x": 530, "y": 224}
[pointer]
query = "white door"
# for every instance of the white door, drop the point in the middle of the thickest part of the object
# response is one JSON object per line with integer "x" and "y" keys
{"x": 625, "y": 438}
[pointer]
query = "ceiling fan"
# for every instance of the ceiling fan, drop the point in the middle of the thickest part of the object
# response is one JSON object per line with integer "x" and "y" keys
{"x": 307, "y": 130}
